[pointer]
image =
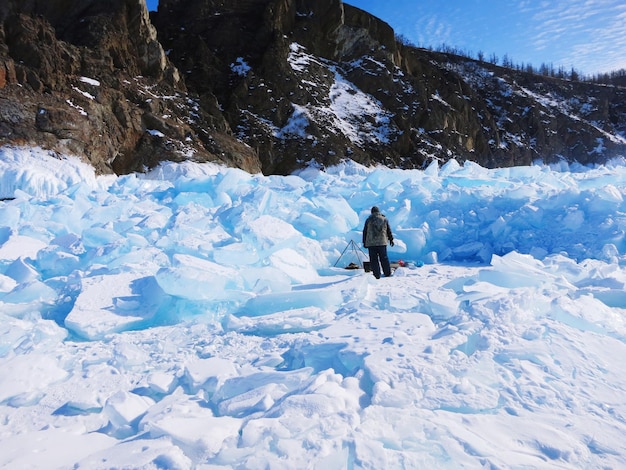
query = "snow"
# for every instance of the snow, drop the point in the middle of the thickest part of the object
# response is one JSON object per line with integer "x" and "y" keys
{"x": 155, "y": 132}
{"x": 357, "y": 115}
{"x": 561, "y": 105}
{"x": 550, "y": 104}
{"x": 84, "y": 93}
{"x": 192, "y": 317}
{"x": 90, "y": 81}
{"x": 80, "y": 109}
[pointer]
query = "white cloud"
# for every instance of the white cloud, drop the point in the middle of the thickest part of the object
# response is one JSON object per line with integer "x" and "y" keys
{"x": 589, "y": 35}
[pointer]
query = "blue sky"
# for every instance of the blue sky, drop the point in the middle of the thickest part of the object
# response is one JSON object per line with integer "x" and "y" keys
{"x": 589, "y": 35}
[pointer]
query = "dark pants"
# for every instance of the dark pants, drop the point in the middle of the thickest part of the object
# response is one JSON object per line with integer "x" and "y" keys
{"x": 378, "y": 258}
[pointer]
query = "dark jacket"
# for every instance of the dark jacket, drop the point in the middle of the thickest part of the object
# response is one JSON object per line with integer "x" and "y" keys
{"x": 376, "y": 231}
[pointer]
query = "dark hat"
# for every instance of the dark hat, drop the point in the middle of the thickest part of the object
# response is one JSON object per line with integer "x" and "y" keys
{"x": 375, "y": 209}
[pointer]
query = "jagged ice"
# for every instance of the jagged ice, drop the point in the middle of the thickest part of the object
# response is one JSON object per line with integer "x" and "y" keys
{"x": 192, "y": 317}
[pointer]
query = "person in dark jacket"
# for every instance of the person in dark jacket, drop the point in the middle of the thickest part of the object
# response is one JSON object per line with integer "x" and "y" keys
{"x": 376, "y": 235}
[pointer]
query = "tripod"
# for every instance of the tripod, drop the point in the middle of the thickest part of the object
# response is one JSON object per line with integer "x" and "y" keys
{"x": 356, "y": 250}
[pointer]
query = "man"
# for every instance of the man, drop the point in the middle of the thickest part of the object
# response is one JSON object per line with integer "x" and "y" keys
{"x": 376, "y": 234}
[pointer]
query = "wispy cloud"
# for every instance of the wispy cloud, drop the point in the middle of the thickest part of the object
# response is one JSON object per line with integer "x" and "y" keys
{"x": 607, "y": 51}
{"x": 434, "y": 29}
{"x": 587, "y": 34}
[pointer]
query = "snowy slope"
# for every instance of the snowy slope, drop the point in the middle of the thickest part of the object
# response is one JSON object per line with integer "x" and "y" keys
{"x": 192, "y": 318}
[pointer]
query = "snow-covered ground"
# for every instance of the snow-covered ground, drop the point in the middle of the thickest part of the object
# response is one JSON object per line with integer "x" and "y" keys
{"x": 194, "y": 318}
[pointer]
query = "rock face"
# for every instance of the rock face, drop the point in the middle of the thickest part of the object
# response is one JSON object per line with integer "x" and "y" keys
{"x": 90, "y": 78}
{"x": 272, "y": 85}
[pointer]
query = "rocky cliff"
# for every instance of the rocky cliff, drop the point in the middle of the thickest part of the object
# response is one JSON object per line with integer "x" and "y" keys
{"x": 271, "y": 85}
{"x": 90, "y": 78}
